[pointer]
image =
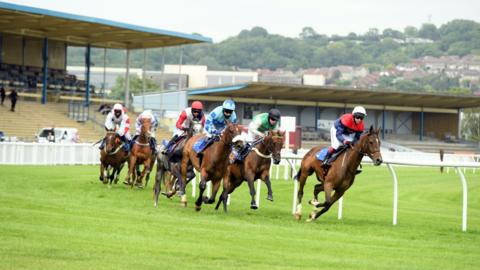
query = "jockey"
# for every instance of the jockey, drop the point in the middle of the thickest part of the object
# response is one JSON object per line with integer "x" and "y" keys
{"x": 117, "y": 120}
{"x": 215, "y": 122}
{"x": 190, "y": 118}
{"x": 345, "y": 131}
{"x": 260, "y": 125}
{"x": 138, "y": 126}
{"x": 216, "y": 119}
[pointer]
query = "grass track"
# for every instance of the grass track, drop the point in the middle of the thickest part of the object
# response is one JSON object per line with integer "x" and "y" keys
{"x": 62, "y": 217}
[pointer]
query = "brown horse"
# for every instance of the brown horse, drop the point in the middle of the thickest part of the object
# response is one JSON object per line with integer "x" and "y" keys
{"x": 340, "y": 176}
{"x": 141, "y": 153}
{"x": 112, "y": 157}
{"x": 171, "y": 164}
{"x": 213, "y": 165}
{"x": 255, "y": 166}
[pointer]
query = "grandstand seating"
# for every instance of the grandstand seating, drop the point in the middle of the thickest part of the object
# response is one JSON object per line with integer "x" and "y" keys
{"x": 29, "y": 117}
{"x": 28, "y": 77}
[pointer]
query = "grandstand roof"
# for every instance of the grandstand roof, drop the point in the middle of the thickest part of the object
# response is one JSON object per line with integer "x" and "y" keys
{"x": 328, "y": 96}
{"x": 82, "y": 30}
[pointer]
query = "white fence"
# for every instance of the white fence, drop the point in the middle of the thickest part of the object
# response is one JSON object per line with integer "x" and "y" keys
{"x": 20, "y": 153}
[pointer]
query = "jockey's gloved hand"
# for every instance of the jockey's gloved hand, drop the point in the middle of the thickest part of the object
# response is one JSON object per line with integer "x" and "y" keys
{"x": 347, "y": 142}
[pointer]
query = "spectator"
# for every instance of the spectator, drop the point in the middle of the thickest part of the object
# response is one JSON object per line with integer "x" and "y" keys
{"x": 2, "y": 94}
{"x": 13, "y": 97}
{"x": 50, "y": 137}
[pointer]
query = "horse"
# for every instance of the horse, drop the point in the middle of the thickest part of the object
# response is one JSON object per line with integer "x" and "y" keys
{"x": 255, "y": 166}
{"x": 141, "y": 153}
{"x": 112, "y": 157}
{"x": 212, "y": 166}
{"x": 340, "y": 176}
{"x": 171, "y": 164}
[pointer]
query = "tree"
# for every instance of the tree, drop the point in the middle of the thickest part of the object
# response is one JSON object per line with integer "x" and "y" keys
{"x": 471, "y": 124}
{"x": 136, "y": 86}
{"x": 391, "y": 33}
{"x": 308, "y": 33}
{"x": 429, "y": 31}
{"x": 410, "y": 31}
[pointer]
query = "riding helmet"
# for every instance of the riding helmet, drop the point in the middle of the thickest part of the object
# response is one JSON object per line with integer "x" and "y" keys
{"x": 274, "y": 114}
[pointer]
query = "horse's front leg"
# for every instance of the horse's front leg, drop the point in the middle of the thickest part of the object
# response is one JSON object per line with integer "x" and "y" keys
{"x": 131, "y": 170}
{"x": 145, "y": 171}
{"x": 159, "y": 176}
{"x": 202, "y": 186}
{"x": 215, "y": 188}
{"x": 329, "y": 201}
{"x": 102, "y": 171}
{"x": 250, "y": 179}
{"x": 266, "y": 178}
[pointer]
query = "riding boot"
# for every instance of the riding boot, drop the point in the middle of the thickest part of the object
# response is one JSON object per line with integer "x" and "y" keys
{"x": 102, "y": 145}
{"x": 246, "y": 149}
{"x": 153, "y": 145}
{"x": 132, "y": 142}
{"x": 326, "y": 161}
{"x": 171, "y": 142}
{"x": 126, "y": 145}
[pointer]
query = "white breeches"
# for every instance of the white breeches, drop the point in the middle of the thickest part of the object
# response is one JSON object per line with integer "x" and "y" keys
{"x": 335, "y": 142}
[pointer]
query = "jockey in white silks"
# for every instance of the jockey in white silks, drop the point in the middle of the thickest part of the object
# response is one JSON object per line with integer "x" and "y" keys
{"x": 117, "y": 120}
{"x": 138, "y": 126}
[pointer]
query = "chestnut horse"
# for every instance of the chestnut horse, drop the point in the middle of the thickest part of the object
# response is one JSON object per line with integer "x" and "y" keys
{"x": 141, "y": 153}
{"x": 171, "y": 165}
{"x": 112, "y": 157}
{"x": 213, "y": 165}
{"x": 340, "y": 176}
{"x": 255, "y": 166}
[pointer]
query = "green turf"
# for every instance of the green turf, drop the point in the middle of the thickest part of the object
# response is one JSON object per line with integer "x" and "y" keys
{"x": 62, "y": 217}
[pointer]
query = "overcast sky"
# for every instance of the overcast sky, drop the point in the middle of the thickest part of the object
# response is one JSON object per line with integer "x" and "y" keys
{"x": 220, "y": 19}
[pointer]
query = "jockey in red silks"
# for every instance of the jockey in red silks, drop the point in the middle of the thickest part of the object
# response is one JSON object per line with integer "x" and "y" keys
{"x": 345, "y": 131}
{"x": 117, "y": 120}
{"x": 191, "y": 117}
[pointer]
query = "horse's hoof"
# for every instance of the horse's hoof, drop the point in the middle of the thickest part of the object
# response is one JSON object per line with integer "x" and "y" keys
{"x": 139, "y": 186}
{"x": 126, "y": 183}
{"x": 270, "y": 198}
{"x": 183, "y": 204}
{"x": 297, "y": 216}
{"x": 313, "y": 202}
{"x": 100, "y": 178}
{"x": 198, "y": 208}
{"x": 254, "y": 207}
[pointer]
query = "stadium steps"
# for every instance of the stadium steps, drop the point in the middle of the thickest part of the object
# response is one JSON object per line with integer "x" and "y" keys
{"x": 434, "y": 147}
{"x": 29, "y": 117}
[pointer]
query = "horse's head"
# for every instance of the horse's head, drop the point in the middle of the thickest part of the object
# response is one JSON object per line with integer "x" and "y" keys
{"x": 146, "y": 126}
{"x": 111, "y": 141}
{"x": 370, "y": 146}
{"x": 274, "y": 144}
{"x": 230, "y": 132}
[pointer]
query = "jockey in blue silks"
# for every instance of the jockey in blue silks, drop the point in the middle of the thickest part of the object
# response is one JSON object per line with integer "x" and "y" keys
{"x": 216, "y": 121}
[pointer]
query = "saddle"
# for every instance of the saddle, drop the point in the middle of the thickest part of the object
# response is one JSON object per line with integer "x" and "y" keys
{"x": 320, "y": 155}
{"x": 204, "y": 142}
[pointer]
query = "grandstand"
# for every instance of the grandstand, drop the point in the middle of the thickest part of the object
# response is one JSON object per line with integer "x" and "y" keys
{"x": 33, "y": 57}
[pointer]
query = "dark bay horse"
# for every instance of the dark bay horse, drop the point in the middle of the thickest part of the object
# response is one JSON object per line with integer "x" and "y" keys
{"x": 340, "y": 176}
{"x": 213, "y": 165}
{"x": 112, "y": 157}
{"x": 141, "y": 153}
{"x": 170, "y": 165}
{"x": 255, "y": 166}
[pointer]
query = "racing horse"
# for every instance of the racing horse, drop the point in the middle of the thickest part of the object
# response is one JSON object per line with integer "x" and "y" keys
{"x": 112, "y": 158}
{"x": 212, "y": 166}
{"x": 255, "y": 166}
{"x": 141, "y": 153}
{"x": 340, "y": 176}
{"x": 170, "y": 165}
